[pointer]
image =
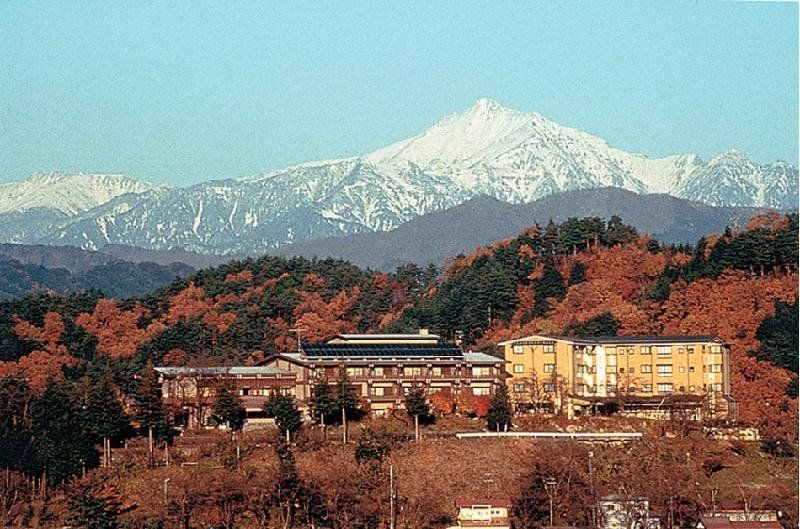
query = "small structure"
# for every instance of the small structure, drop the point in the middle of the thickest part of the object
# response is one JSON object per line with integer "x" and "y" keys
{"x": 735, "y": 516}
{"x": 483, "y": 512}
{"x": 620, "y": 511}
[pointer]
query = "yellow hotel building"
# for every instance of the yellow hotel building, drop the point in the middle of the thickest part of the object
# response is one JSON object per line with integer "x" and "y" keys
{"x": 643, "y": 375}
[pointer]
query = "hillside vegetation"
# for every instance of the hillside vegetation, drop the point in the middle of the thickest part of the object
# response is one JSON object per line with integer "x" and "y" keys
{"x": 583, "y": 276}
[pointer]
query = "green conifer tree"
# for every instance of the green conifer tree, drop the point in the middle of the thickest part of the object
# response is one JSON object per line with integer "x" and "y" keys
{"x": 499, "y": 415}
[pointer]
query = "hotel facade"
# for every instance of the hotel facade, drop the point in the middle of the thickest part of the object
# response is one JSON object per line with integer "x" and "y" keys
{"x": 380, "y": 368}
{"x": 643, "y": 375}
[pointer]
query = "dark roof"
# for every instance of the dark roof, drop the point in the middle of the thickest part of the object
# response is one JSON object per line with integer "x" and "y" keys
{"x": 393, "y": 350}
{"x": 643, "y": 339}
{"x": 494, "y": 502}
{"x": 717, "y": 522}
{"x": 691, "y": 338}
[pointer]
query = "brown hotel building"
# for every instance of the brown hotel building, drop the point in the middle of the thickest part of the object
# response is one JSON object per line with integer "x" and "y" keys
{"x": 380, "y": 367}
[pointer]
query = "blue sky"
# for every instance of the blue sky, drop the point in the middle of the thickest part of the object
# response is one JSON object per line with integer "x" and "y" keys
{"x": 184, "y": 92}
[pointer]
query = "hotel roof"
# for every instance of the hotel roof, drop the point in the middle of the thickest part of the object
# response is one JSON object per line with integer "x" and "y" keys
{"x": 222, "y": 370}
{"x": 619, "y": 340}
{"x": 387, "y": 350}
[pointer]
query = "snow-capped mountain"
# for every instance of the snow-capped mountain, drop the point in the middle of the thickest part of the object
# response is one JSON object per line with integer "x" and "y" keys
{"x": 70, "y": 194}
{"x": 489, "y": 150}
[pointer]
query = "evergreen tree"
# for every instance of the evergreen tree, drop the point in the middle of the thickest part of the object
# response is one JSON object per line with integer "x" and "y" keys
{"x": 344, "y": 396}
{"x": 601, "y": 325}
{"x": 577, "y": 274}
{"x": 228, "y": 409}
{"x": 15, "y": 427}
{"x": 284, "y": 410}
{"x": 550, "y": 285}
{"x": 62, "y": 444}
{"x": 779, "y": 338}
{"x": 653, "y": 246}
{"x": 91, "y": 509}
{"x": 370, "y": 447}
{"x": 417, "y": 407}
{"x": 499, "y": 416}
{"x": 323, "y": 405}
{"x": 105, "y": 418}
{"x": 618, "y": 233}
{"x": 149, "y": 408}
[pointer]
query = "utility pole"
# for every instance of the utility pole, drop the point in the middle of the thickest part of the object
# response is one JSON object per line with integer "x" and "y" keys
{"x": 549, "y": 485}
{"x": 166, "y": 487}
{"x": 297, "y": 332}
{"x": 591, "y": 485}
{"x": 391, "y": 496}
{"x": 344, "y": 426}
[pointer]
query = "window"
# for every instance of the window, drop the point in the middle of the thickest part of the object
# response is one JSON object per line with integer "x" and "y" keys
{"x": 645, "y": 349}
{"x": 621, "y": 369}
{"x": 378, "y": 392}
{"x": 580, "y": 369}
{"x": 518, "y": 349}
{"x": 436, "y": 371}
{"x": 691, "y": 369}
{"x": 547, "y": 387}
{"x": 519, "y": 368}
{"x": 682, "y": 369}
{"x": 631, "y": 369}
{"x": 716, "y": 387}
{"x": 377, "y": 371}
{"x": 549, "y": 368}
{"x": 692, "y": 389}
{"x": 690, "y": 350}
{"x": 611, "y": 351}
{"x": 664, "y": 350}
{"x": 593, "y": 389}
{"x": 680, "y": 350}
{"x": 611, "y": 389}
{"x": 412, "y": 371}
{"x": 593, "y": 369}
{"x": 664, "y": 387}
{"x": 630, "y": 350}
{"x": 647, "y": 388}
{"x": 580, "y": 389}
{"x": 716, "y": 368}
{"x": 480, "y": 391}
{"x": 355, "y": 371}
{"x": 549, "y": 348}
{"x": 716, "y": 349}
{"x": 481, "y": 371}
{"x": 647, "y": 368}
{"x": 664, "y": 370}
{"x": 682, "y": 389}
{"x": 519, "y": 388}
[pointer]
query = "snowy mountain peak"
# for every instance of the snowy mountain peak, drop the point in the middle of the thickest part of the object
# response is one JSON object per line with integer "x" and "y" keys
{"x": 67, "y": 193}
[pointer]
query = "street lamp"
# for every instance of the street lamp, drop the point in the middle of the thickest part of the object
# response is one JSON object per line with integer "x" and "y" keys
{"x": 166, "y": 485}
{"x": 549, "y": 487}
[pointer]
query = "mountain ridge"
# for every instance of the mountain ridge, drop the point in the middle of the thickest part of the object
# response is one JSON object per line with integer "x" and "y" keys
{"x": 513, "y": 156}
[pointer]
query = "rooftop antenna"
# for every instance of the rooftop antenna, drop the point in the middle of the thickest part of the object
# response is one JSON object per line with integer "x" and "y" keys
{"x": 297, "y": 331}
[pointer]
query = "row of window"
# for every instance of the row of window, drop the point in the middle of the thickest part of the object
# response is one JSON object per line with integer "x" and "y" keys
{"x": 662, "y": 388}
{"x": 661, "y": 369}
{"x": 660, "y": 350}
{"x": 410, "y": 371}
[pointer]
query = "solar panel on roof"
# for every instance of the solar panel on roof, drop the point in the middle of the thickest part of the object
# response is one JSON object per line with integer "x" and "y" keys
{"x": 378, "y": 350}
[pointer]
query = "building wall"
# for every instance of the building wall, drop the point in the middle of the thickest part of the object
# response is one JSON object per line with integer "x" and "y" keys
{"x": 382, "y": 383}
{"x": 552, "y": 367}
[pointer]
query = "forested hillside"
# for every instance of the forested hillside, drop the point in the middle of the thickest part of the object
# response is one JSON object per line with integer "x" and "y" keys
{"x": 584, "y": 276}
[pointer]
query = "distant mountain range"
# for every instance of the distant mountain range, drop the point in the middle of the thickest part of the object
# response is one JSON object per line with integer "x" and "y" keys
{"x": 117, "y": 271}
{"x": 480, "y": 221}
{"x": 512, "y": 156}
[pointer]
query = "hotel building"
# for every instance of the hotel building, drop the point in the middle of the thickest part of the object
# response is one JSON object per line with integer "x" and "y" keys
{"x": 647, "y": 375}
